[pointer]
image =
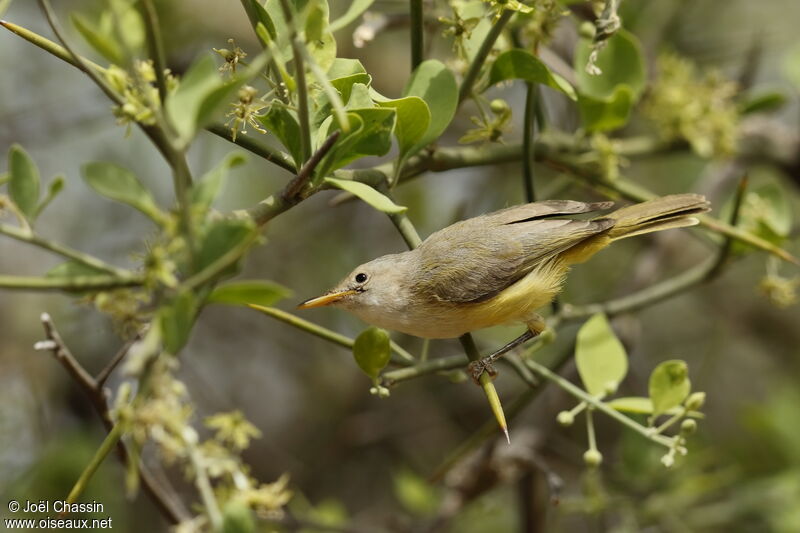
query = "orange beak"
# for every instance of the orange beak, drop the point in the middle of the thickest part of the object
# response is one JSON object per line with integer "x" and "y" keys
{"x": 326, "y": 299}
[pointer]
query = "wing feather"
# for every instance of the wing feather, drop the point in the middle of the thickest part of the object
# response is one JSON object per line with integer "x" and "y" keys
{"x": 475, "y": 259}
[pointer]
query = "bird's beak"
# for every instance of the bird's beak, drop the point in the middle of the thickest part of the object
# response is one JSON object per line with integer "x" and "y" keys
{"x": 326, "y": 299}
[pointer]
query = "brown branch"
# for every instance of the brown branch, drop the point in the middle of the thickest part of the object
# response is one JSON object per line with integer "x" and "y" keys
{"x": 166, "y": 503}
{"x": 295, "y": 187}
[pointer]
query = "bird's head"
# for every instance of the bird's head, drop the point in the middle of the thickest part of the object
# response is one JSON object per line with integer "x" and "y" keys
{"x": 371, "y": 286}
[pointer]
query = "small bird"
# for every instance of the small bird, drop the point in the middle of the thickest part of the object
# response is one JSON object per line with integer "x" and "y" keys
{"x": 496, "y": 268}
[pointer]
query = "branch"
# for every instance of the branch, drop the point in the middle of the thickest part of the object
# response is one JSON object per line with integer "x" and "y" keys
{"x": 165, "y": 502}
{"x": 71, "y": 284}
{"x": 64, "y": 251}
{"x": 273, "y": 156}
{"x": 295, "y": 187}
{"x": 405, "y": 358}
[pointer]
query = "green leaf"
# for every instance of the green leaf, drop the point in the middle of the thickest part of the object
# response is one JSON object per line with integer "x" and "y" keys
{"x": 223, "y": 236}
{"x": 367, "y": 194}
{"x": 621, "y": 61}
{"x": 416, "y": 494}
{"x": 55, "y": 187}
{"x": 519, "y": 64}
{"x": 283, "y": 124}
{"x": 237, "y": 517}
{"x": 316, "y": 19}
{"x": 343, "y": 67}
{"x": 246, "y": 292}
{"x": 357, "y": 7}
{"x": 763, "y": 102}
{"x": 206, "y": 190}
{"x": 600, "y": 357}
{"x": 779, "y": 209}
{"x": 669, "y": 385}
{"x": 359, "y": 97}
{"x": 121, "y": 185}
{"x": 73, "y": 269}
{"x": 436, "y": 85}
{"x": 23, "y": 185}
{"x": 176, "y": 319}
{"x": 604, "y": 114}
{"x": 202, "y": 93}
{"x": 104, "y": 43}
{"x": 370, "y": 134}
{"x": 372, "y": 351}
{"x": 129, "y": 25}
{"x": 5, "y": 177}
{"x": 413, "y": 120}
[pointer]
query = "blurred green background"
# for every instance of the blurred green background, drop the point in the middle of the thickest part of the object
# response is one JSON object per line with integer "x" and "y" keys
{"x": 350, "y": 454}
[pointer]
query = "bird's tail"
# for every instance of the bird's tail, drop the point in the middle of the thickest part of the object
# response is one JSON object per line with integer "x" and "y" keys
{"x": 673, "y": 211}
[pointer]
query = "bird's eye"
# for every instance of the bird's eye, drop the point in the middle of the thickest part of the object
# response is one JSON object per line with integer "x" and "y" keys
{"x": 361, "y": 277}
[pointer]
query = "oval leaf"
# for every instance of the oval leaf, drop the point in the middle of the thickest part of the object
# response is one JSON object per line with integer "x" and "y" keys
{"x": 176, "y": 320}
{"x": 246, "y": 292}
{"x": 600, "y": 357}
{"x": 669, "y": 385}
{"x": 605, "y": 114}
{"x": 368, "y": 194}
{"x": 209, "y": 186}
{"x": 413, "y": 120}
{"x": 24, "y": 182}
{"x": 120, "y": 184}
{"x": 519, "y": 64}
{"x": 436, "y": 84}
{"x": 621, "y": 62}
{"x": 372, "y": 351}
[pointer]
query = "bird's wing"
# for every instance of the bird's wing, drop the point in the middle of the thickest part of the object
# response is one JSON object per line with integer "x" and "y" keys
{"x": 473, "y": 260}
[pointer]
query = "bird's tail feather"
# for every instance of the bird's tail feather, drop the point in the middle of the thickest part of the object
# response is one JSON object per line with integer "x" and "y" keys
{"x": 673, "y": 211}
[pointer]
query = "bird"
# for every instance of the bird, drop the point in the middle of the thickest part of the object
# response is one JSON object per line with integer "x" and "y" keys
{"x": 497, "y": 268}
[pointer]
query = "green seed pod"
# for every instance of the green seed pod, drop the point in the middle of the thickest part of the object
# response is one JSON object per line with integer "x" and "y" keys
{"x": 498, "y": 106}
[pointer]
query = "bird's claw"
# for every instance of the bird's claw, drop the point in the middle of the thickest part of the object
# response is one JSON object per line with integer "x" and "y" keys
{"x": 477, "y": 368}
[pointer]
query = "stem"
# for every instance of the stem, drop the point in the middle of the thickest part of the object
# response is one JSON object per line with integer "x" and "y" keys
{"x": 727, "y": 246}
{"x": 71, "y": 284}
{"x": 295, "y": 187}
{"x": 325, "y": 333}
{"x": 645, "y": 297}
{"x": 64, "y": 251}
{"x": 527, "y": 142}
{"x": 221, "y": 263}
{"x": 430, "y": 366}
{"x": 483, "y": 52}
{"x": 48, "y": 46}
{"x": 206, "y": 492}
{"x": 273, "y": 156}
{"x": 417, "y": 34}
{"x": 595, "y": 403}
{"x": 300, "y": 75}
{"x": 102, "y": 452}
{"x": 156, "y": 47}
{"x": 590, "y": 429}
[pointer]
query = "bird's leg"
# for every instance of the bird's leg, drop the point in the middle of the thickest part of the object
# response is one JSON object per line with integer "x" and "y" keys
{"x": 486, "y": 364}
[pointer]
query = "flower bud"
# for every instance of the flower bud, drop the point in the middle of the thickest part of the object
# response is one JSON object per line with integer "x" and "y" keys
{"x": 592, "y": 458}
{"x": 695, "y": 401}
{"x": 688, "y": 426}
{"x": 498, "y": 106}
{"x": 565, "y": 418}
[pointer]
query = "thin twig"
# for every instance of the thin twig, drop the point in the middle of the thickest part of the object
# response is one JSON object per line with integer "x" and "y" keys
{"x": 300, "y": 75}
{"x": 483, "y": 52}
{"x": 156, "y": 46}
{"x": 104, "y": 374}
{"x": 269, "y": 154}
{"x": 727, "y": 246}
{"x": 64, "y": 251}
{"x": 404, "y": 358}
{"x": 417, "y": 33}
{"x": 168, "y": 504}
{"x": 295, "y": 187}
{"x": 71, "y": 284}
{"x": 527, "y": 141}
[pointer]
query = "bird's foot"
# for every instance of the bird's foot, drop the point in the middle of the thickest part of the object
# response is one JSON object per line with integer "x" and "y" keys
{"x": 486, "y": 364}
{"x": 477, "y": 368}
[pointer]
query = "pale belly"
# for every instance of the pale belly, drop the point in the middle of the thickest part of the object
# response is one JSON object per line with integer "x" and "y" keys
{"x": 516, "y": 304}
